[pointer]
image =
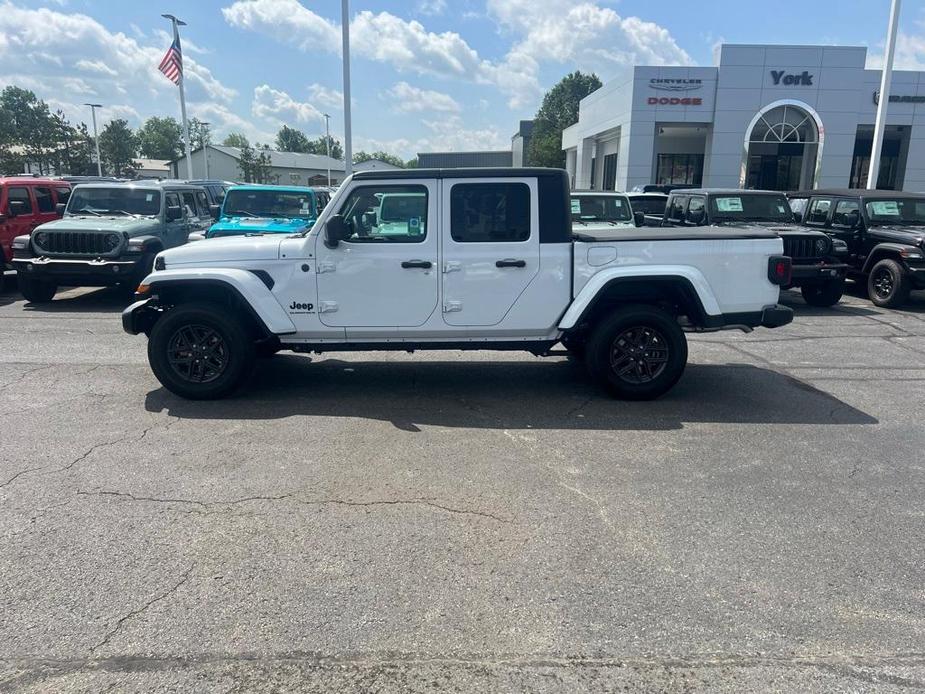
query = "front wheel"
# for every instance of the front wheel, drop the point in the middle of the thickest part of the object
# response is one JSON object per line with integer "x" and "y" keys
{"x": 823, "y": 294}
{"x": 888, "y": 284}
{"x": 37, "y": 291}
{"x": 637, "y": 353}
{"x": 200, "y": 352}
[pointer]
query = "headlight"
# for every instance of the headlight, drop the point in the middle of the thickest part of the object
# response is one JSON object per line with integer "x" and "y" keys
{"x": 41, "y": 238}
{"x": 822, "y": 246}
{"x": 21, "y": 243}
{"x": 839, "y": 245}
{"x": 112, "y": 240}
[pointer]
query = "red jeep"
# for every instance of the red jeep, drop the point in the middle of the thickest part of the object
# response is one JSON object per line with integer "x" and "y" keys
{"x": 26, "y": 202}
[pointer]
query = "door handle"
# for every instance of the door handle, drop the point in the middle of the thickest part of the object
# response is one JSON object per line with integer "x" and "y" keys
{"x": 422, "y": 264}
{"x": 510, "y": 262}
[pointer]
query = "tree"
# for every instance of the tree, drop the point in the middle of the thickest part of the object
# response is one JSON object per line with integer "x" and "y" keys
{"x": 558, "y": 111}
{"x": 319, "y": 146}
{"x": 291, "y": 140}
{"x": 25, "y": 122}
{"x": 362, "y": 156}
{"x": 199, "y": 135}
{"x": 255, "y": 164}
{"x": 236, "y": 140}
{"x": 118, "y": 145}
{"x": 161, "y": 138}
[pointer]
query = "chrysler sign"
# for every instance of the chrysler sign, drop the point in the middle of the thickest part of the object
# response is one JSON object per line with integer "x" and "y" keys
{"x": 675, "y": 85}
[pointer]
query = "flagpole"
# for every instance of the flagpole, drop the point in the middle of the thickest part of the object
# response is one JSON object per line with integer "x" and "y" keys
{"x": 177, "y": 23}
{"x": 348, "y": 134}
{"x": 886, "y": 80}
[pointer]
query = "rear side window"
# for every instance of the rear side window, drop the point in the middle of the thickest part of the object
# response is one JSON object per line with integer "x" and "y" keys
{"x": 64, "y": 195}
{"x": 490, "y": 212}
{"x": 43, "y": 199}
{"x": 21, "y": 195}
{"x": 842, "y": 210}
{"x": 819, "y": 211}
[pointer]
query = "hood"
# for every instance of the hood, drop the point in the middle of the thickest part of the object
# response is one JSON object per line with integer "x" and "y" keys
{"x": 232, "y": 226}
{"x": 231, "y": 249}
{"x": 133, "y": 226}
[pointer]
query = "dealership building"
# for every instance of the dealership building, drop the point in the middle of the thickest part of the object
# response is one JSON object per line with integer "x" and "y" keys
{"x": 768, "y": 117}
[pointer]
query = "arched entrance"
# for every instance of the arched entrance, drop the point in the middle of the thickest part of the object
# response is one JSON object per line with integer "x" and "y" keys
{"x": 783, "y": 147}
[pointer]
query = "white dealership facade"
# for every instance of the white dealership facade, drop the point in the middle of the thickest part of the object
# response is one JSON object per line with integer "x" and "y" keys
{"x": 771, "y": 117}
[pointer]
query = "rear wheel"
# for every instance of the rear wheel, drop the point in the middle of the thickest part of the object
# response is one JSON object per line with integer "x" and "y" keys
{"x": 37, "y": 291}
{"x": 823, "y": 294}
{"x": 888, "y": 286}
{"x": 637, "y": 353}
{"x": 200, "y": 352}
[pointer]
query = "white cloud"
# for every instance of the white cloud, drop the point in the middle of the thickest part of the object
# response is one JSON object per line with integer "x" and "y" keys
{"x": 273, "y": 104}
{"x": 404, "y": 98}
{"x": 449, "y": 134}
{"x": 326, "y": 96}
{"x": 910, "y": 52}
{"x": 431, "y": 7}
{"x": 285, "y": 20}
{"x": 97, "y": 66}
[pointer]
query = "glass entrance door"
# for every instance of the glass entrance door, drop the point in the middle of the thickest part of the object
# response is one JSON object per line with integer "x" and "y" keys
{"x": 774, "y": 171}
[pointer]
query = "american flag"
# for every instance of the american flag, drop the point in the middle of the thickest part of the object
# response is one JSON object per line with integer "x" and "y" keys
{"x": 172, "y": 64}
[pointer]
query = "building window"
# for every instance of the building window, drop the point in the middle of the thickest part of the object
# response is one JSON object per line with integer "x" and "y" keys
{"x": 679, "y": 169}
{"x": 610, "y": 172}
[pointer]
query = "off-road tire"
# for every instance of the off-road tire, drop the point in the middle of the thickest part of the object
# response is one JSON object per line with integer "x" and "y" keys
{"x": 823, "y": 294}
{"x": 638, "y": 352}
{"x": 200, "y": 351}
{"x": 888, "y": 285}
{"x": 37, "y": 291}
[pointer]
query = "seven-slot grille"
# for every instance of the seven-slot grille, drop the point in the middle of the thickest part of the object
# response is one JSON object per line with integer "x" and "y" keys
{"x": 75, "y": 242}
{"x": 801, "y": 247}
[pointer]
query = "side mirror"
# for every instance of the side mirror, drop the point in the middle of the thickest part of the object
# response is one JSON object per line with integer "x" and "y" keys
{"x": 17, "y": 207}
{"x": 174, "y": 212}
{"x": 853, "y": 219}
{"x": 335, "y": 231}
{"x": 216, "y": 211}
{"x": 639, "y": 218}
{"x": 59, "y": 209}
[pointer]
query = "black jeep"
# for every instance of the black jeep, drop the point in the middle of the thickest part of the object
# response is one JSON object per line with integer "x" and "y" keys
{"x": 818, "y": 268}
{"x": 884, "y": 232}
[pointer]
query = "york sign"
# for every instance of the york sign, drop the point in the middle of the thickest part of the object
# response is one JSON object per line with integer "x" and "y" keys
{"x": 781, "y": 77}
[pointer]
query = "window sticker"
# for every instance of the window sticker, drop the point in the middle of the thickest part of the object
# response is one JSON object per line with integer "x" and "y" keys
{"x": 414, "y": 226}
{"x": 617, "y": 202}
{"x": 781, "y": 209}
{"x": 576, "y": 206}
{"x": 885, "y": 208}
{"x": 729, "y": 204}
{"x": 149, "y": 197}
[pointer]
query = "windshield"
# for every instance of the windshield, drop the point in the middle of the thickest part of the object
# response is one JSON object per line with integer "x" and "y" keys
{"x": 902, "y": 211}
{"x": 121, "y": 200}
{"x": 750, "y": 208}
{"x": 401, "y": 208}
{"x": 601, "y": 208}
{"x": 268, "y": 203}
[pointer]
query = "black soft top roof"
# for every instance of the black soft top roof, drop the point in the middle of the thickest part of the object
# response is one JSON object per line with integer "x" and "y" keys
{"x": 858, "y": 193}
{"x": 724, "y": 191}
{"x": 480, "y": 172}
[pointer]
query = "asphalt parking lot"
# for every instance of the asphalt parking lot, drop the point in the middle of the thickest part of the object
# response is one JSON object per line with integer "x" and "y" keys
{"x": 451, "y": 522}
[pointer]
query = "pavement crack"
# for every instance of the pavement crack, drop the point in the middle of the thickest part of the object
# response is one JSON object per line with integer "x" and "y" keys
{"x": 134, "y": 613}
{"x": 25, "y": 374}
{"x": 18, "y": 475}
{"x": 408, "y": 502}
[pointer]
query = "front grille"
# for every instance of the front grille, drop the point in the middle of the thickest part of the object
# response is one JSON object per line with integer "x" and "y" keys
{"x": 73, "y": 243}
{"x": 801, "y": 247}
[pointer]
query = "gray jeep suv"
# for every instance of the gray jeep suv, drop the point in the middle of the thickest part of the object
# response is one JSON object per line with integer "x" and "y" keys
{"x": 109, "y": 235}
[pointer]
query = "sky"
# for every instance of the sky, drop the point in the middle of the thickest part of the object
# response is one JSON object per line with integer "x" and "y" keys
{"x": 427, "y": 75}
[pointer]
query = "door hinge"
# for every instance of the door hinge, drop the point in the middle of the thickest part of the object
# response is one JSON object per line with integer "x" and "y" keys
{"x": 452, "y": 266}
{"x": 326, "y": 267}
{"x": 327, "y": 307}
{"x": 452, "y": 306}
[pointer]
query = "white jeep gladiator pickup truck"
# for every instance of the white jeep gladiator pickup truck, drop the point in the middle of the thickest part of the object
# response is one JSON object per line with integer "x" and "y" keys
{"x": 459, "y": 259}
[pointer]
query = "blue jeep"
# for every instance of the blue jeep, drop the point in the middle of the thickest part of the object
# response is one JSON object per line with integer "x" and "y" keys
{"x": 259, "y": 209}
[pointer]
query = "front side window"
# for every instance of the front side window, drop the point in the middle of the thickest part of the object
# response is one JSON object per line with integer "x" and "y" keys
{"x": 695, "y": 210}
{"x": 189, "y": 202}
{"x": 843, "y": 209}
{"x": 896, "y": 211}
{"x": 21, "y": 195}
{"x": 114, "y": 201}
{"x": 43, "y": 199}
{"x": 490, "y": 212}
{"x": 63, "y": 195}
{"x": 798, "y": 207}
{"x": 203, "y": 203}
{"x": 750, "y": 208}
{"x": 290, "y": 204}
{"x": 601, "y": 208}
{"x": 385, "y": 214}
{"x": 819, "y": 211}
{"x": 173, "y": 200}
{"x": 676, "y": 211}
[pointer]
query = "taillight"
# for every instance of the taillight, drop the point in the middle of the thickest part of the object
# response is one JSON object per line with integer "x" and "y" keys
{"x": 780, "y": 269}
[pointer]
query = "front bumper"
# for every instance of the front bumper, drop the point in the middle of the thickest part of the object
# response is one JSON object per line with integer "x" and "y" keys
{"x": 816, "y": 272}
{"x": 139, "y": 317}
{"x": 84, "y": 272}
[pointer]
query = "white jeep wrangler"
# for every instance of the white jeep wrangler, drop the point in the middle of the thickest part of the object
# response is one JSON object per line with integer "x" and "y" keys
{"x": 463, "y": 259}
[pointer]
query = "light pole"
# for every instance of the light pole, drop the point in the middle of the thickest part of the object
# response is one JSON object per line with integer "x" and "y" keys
{"x": 327, "y": 139}
{"x": 177, "y": 23}
{"x": 345, "y": 31}
{"x": 873, "y": 174}
{"x": 205, "y": 145}
{"x": 96, "y": 139}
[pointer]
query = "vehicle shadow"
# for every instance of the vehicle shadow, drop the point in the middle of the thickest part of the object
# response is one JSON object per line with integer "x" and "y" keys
{"x": 510, "y": 395}
{"x": 858, "y": 290}
{"x": 793, "y": 299}
{"x": 102, "y": 300}
{"x": 9, "y": 290}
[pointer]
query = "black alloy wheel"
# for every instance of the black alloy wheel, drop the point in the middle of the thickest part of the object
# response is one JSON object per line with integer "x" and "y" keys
{"x": 888, "y": 285}
{"x": 197, "y": 353}
{"x": 639, "y": 355}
